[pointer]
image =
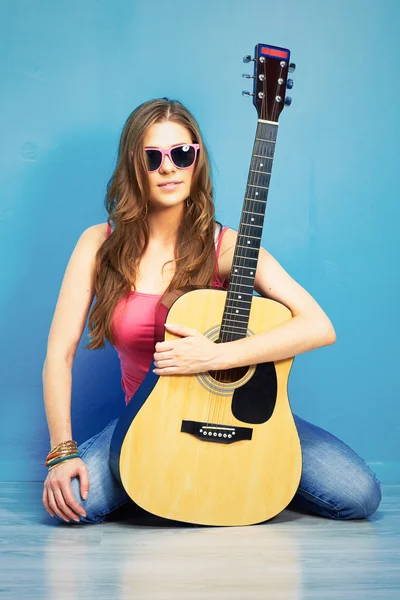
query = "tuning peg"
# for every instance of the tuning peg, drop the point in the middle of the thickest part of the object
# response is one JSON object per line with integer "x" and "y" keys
{"x": 289, "y": 84}
{"x": 247, "y": 58}
{"x": 292, "y": 67}
{"x": 248, "y": 76}
{"x": 288, "y": 101}
{"x": 244, "y": 93}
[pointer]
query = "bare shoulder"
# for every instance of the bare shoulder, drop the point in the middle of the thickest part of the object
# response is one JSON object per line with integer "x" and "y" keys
{"x": 88, "y": 244}
{"x": 226, "y": 253}
{"x": 95, "y": 234}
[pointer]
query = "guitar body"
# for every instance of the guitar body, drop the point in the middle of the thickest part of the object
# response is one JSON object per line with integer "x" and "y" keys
{"x": 172, "y": 452}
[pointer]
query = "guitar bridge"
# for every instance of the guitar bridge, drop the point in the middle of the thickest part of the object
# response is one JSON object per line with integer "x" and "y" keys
{"x": 212, "y": 432}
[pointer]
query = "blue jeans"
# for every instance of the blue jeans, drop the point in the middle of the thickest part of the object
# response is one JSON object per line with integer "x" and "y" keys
{"x": 335, "y": 482}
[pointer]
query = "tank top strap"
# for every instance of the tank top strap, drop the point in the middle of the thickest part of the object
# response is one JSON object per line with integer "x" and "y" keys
{"x": 219, "y": 240}
{"x": 216, "y": 233}
{"x": 110, "y": 227}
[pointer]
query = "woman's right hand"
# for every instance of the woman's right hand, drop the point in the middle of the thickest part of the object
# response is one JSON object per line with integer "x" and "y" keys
{"x": 57, "y": 494}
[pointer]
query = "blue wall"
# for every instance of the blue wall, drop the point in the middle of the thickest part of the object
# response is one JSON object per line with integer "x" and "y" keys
{"x": 74, "y": 71}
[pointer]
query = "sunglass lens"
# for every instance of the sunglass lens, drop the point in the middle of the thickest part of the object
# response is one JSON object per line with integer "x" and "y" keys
{"x": 153, "y": 159}
{"x": 183, "y": 156}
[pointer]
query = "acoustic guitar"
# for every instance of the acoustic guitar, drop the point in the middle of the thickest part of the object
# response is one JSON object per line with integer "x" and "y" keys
{"x": 221, "y": 447}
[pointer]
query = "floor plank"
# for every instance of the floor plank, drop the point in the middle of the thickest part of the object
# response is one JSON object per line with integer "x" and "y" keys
{"x": 294, "y": 556}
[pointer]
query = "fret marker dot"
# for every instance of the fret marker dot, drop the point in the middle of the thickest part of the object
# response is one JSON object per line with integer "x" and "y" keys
{"x": 239, "y": 297}
{"x": 248, "y": 242}
{"x": 252, "y": 218}
{"x": 256, "y": 193}
{"x": 237, "y": 311}
{"x": 235, "y": 270}
{"x": 261, "y": 164}
{"x": 251, "y": 272}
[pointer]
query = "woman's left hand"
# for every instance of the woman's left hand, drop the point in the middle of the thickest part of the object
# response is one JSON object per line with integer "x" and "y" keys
{"x": 193, "y": 353}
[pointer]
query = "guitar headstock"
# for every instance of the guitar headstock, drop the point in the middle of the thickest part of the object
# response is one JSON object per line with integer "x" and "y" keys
{"x": 271, "y": 67}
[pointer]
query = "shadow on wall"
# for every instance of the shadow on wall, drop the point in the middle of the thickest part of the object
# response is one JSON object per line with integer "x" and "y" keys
{"x": 60, "y": 194}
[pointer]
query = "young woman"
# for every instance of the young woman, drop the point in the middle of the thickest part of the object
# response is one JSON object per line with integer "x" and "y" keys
{"x": 164, "y": 236}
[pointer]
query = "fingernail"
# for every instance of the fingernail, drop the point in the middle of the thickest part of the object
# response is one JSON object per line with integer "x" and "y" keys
{"x": 77, "y": 520}
{"x": 84, "y": 495}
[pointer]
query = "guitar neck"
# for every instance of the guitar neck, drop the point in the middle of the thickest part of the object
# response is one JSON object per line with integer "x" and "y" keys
{"x": 241, "y": 285}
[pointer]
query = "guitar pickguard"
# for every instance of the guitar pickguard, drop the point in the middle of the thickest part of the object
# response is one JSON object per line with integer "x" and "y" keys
{"x": 254, "y": 402}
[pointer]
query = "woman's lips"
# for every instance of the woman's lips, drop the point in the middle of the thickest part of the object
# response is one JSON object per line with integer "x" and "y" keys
{"x": 169, "y": 186}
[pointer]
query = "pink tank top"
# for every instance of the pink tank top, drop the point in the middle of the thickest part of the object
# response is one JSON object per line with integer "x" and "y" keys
{"x": 138, "y": 327}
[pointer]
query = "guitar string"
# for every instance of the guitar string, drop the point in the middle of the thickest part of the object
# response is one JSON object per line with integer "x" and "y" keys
{"x": 260, "y": 177}
{"x": 254, "y": 179}
{"x": 212, "y": 398}
{"x": 243, "y": 231}
{"x": 216, "y": 398}
{"x": 242, "y": 257}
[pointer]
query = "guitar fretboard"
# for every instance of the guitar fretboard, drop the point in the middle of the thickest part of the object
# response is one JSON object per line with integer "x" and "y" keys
{"x": 241, "y": 285}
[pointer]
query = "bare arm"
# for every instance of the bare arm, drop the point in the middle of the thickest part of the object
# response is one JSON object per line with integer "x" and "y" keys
{"x": 309, "y": 328}
{"x": 66, "y": 330}
{"x": 68, "y": 323}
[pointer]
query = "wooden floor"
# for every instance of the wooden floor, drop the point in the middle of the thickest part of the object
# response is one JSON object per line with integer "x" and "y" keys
{"x": 293, "y": 556}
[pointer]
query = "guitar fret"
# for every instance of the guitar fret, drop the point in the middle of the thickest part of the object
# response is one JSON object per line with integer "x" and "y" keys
{"x": 238, "y": 309}
{"x": 261, "y": 140}
{"x": 239, "y": 300}
{"x": 262, "y": 156}
{"x": 237, "y": 314}
{"x": 251, "y": 225}
{"x": 262, "y": 187}
{"x": 255, "y": 237}
{"x": 253, "y": 213}
{"x": 246, "y": 258}
{"x": 251, "y": 277}
{"x": 231, "y": 283}
{"x": 263, "y": 172}
{"x": 244, "y": 267}
{"x": 255, "y": 200}
{"x": 233, "y": 327}
{"x": 248, "y": 247}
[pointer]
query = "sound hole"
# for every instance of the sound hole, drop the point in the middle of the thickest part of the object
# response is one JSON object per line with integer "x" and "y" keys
{"x": 228, "y": 375}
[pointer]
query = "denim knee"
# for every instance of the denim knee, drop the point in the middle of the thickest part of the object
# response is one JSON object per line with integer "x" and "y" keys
{"x": 363, "y": 499}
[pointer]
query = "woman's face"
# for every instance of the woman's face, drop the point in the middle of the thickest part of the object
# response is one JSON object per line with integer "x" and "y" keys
{"x": 164, "y": 135}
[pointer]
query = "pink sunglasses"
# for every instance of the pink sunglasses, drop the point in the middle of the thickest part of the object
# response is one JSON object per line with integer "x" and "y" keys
{"x": 182, "y": 156}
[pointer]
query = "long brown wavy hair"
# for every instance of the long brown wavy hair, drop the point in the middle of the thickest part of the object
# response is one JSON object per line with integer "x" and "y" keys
{"x": 126, "y": 200}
